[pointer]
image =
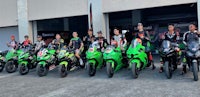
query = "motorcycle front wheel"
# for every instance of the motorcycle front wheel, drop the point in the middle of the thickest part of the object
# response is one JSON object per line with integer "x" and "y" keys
{"x": 135, "y": 71}
{"x": 41, "y": 70}
{"x": 10, "y": 67}
{"x": 91, "y": 69}
{"x": 167, "y": 70}
{"x": 23, "y": 70}
{"x": 63, "y": 71}
{"x": 110, "y": 70}
{"x": 195, "y": 71}
{"x": 2, "y": 66}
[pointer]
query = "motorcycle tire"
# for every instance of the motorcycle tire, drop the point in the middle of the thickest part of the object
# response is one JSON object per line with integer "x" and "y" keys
{"x": 195, "y": 71}
{"x": 23, "y": 70}
{"x": 110, "y": 70}
{"x": 91, "y": 69}
{"x": 167, "y": 70}
{"x": 63, "y": 71}
{"x": 2, "y": 66}
{"x": 135, "y": 71}
{"x": 41, "y": 70}
{"x": 10, "y": 67}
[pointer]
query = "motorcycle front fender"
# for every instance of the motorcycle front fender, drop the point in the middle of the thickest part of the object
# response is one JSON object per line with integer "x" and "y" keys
{"x": 92, "y": 61}
{"x": 25, "y": 63}
{"x": 134, "y": 61}
{"x": 42, "y": 63}
{"x": 65, "y": 63}
{"x": 112, "y": 62}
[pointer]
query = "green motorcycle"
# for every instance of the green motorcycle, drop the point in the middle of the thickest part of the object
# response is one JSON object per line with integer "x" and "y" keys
{"x": 67, "y": 61}
{"x": 113, "y": 58}
{"x": 27, "y": 60}
{"x": 12, "y": 59}
{"x": 46, "y": 60}
{"x": 2, "y": 60}
{"x": 138, "y": 59}
{"x": 94, "y": 58}
{"x": 62, "y": 60}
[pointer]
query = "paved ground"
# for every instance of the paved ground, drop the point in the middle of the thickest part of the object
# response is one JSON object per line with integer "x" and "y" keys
{"x": 78, "y": 84}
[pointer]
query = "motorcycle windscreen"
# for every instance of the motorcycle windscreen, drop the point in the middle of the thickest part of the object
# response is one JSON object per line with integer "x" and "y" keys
{"x": 93, "y": 46}
{"x": 135, "y": 43}
{"x": 42, "y": 52}
{"x": 109, "y": 48}
{"x": 193, "y": 45}
{"x": 166, "y": 44}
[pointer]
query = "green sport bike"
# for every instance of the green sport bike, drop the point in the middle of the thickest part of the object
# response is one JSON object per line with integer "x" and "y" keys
{"x": 67, "y": 61}
{"x": 27, "y": 59}
{"x": 12, "y": 59}
{"x": 94, "y": 58}
{"x": 46, "y": 60}
{"x": 2, "y": 60}
{"x": 62, "y": 60}
{"x": 138, "y": 59}
{"x": 113, "y": 58}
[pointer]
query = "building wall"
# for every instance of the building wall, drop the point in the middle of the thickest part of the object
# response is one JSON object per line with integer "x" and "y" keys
{"x": 8, "y": 13}
{"x": 5, "y": 34}
{"x": 121, "y": 5}
{"x": 45, "y": 9}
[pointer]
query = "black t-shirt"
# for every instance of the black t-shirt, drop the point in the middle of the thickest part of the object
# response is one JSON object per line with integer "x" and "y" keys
{"x": 76, "y": 42}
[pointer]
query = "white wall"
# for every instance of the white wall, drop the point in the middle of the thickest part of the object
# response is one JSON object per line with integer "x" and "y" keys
{"x": 121, "y": 5}
{"x": 44, "y": 9}
{"x": 8, "y": 13}
{"x": 5, "y": 34}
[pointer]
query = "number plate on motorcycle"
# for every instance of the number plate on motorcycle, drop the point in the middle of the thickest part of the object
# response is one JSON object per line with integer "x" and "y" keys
{"x": 52, "y": 67}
